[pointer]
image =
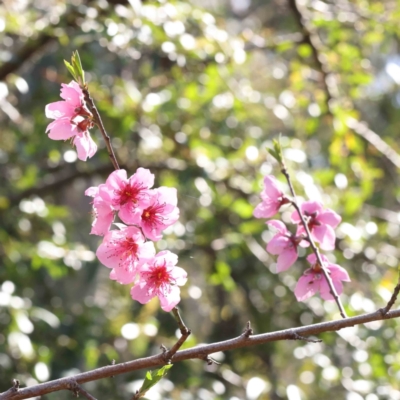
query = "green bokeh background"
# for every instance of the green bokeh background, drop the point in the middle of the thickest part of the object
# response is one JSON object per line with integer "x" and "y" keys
{"x": 195, "y": 91}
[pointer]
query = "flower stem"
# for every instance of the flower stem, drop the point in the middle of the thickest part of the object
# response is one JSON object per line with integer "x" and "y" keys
{"x": 97, "y": 119}
{"x": 312, "y": 243}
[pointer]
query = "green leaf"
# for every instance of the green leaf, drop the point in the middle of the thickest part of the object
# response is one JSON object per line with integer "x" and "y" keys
{"x": 70, "y": 69}
{"x": 77, "y": 64}
{"x": 152, "y": 378}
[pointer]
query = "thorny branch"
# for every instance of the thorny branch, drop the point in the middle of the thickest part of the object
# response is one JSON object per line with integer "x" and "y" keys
{"x": 311, "y": 37}
{"x": 312, "y": 244}
{"x": 198, "y": 352}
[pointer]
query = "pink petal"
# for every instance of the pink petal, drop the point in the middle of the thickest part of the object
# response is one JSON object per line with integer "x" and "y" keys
{"x": 168, "y": 257}
{"x": 72, "y": 93}
{"x": 277, "y": 244}
{"x": 329, "y": 217}
{"x": 325, "y": 290}
{"x": 141, "y": 293}
{"x": 325, "y": 235}
{"x": 167, "y": 195}
{"x": 85, "y": 146}
{"x": 312, "y": 259}
{"x": 278, "y": 225}
{"x": 117, "y": 179}
{"x": 146, "y": 252}
{"x": 179, "y": 275}
{"x": 311, "y": 207}
{"x": 59, "y": 109}
{"x": 306, "y": 287}
{"x": 123, "y": 276}
{"x": 271, "y": 188}
{"x": 171, "y": 299}
{"x": 92, "y": 191}
{"x": 130, "y": 214}
{"x": 143, "y": 176}
{"x": 266, "y": 210}
{"x": 61, "y": 129}
{"x": 286, "y": 259}
{"x": 104, "y": 217}
{"x": 338, "y": 273}
{"x": 151, "y": 232}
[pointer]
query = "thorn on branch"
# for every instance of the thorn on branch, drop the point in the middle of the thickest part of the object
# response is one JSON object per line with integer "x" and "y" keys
{"x": 248, "y": 331}
{"x": 296, "y": 336}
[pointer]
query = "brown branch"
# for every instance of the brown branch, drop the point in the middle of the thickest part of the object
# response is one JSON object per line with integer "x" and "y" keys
{"x": 311, "y": 37}
{"x": 96, "y": 117}
{"x": 185, "y": 332}
{"x": 312, "y": 243}
{"x": 198, "y": 352}
{"x": 393, "y": 298}
{"x": 76, "y": 389}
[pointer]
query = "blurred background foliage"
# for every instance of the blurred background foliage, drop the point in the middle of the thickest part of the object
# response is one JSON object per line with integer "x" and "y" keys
{"x": 195, "y": 91}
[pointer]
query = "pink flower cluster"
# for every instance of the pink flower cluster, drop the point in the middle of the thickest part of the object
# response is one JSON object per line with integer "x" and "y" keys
{"x": 128, "y": 250}
{"x": 72, "y": 120}
{"x": 321, "y": 223}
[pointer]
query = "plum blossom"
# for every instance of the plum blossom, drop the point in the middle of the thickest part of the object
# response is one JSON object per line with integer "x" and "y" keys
{"x": 161, "y": 212}
{"x": 313, "y": 279}
{"x": 160, "y": 277}
{"x": 283, "y": 244}
{"x": 321, "y": 223}
{"x": 72, "y": 120}
{"x": 272, "y": 199}
{"x": 125, "y": 250}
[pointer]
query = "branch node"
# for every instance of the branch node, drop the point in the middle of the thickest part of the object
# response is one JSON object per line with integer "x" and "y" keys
{"x": 248, "y": 330}
{"x": 15, "y": 385}
{"x": 163, "y": 349}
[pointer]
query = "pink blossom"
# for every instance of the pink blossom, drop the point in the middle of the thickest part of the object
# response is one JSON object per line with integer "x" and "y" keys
{"x": 283, "y": 244}
{"x": 125, "y": 250}
{"x": 272, "y": 199}
{"x": 160, "y": 277}
{"x": 161, "y": 213}
{"x": 129, "y": 196}
{"x": 72, "y": 120}
{"x": 321, "y": 223}
{"x": 314, "y": 280}
{"x": 104, "y": 213}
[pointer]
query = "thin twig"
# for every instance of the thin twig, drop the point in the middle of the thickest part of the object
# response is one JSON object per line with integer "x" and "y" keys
{"x": 393, "y": 298}
{"x": 312, "y": 243}
{"x": 76, "y": 389}
{"x": 185, "y": 332}
{"x": 196, "y": 353}
{"x": 96, "y": 117}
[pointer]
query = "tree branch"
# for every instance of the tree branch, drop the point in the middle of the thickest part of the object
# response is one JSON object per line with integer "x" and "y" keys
{"x": 198, "y": 352}
{"x": 99, "y": 122}
{"x": 312, "y": 243}
{"x": 185, "y": 332}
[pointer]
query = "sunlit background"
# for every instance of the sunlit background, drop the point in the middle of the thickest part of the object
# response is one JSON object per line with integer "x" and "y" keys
{"x": 195, "y": 91}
